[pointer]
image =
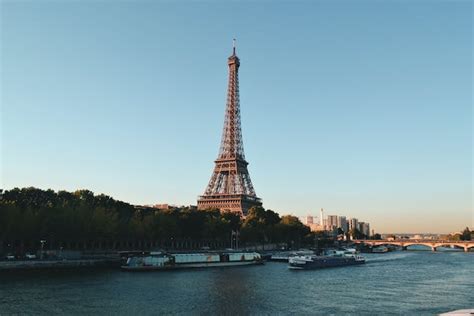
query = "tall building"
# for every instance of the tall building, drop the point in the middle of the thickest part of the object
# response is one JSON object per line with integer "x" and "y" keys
{"x": 321, "y": 217}
{"x": 308, "y": 220}
{"x": 332, "y": 222}
{"x": 230, "y": 187}
{"x": 353, "y": 223}
{"x": 342, "y": 223}
{"x": 365, "y": 228}
{"x": 311, "y": 222}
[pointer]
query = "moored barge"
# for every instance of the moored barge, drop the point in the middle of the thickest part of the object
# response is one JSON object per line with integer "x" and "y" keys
{"x": 169, "y": 261}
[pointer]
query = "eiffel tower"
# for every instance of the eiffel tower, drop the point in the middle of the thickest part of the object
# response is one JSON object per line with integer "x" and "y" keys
{"x": 230, "y": 187}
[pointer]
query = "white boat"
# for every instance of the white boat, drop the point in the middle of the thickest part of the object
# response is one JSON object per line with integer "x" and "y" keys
{"x": 284, "y": 256}
{"x": 340, "y": 252}
{"x": 167, "y": 261}
{"x": 459, "y": 312}
{"x": 328, "y": 261}
{"x": 350, "y": 251}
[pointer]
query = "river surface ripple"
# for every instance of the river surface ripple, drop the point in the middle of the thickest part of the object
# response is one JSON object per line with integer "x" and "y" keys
{"x": 397, "y": 283}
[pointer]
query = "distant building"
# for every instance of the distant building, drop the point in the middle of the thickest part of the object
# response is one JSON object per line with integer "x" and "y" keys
{"x": 332, "y": 222}
{"x": 312, "y": 223}
{"x": 367, "y": 229}
{"x": 353, "y": 223}
{"x": 315, "y": 227}
{"x": 164, "y": 206}
{"x": 308, "y": 220}
{"x": 364, "y": 228}
{"x": 342, "y": 223}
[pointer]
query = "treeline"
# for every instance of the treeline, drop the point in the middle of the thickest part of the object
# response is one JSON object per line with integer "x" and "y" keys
{"x": 466, "y": 234}
{"x": 82, "y": 220}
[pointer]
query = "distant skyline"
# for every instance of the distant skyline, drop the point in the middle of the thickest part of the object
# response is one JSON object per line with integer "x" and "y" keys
{"x": 361, "y": 108}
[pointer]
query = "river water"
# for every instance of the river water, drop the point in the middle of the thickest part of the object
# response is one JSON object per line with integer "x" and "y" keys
{"x": 397, "y": 283}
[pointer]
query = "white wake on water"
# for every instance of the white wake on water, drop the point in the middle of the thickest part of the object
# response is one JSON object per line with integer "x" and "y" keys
{"x": 386, "y": 257}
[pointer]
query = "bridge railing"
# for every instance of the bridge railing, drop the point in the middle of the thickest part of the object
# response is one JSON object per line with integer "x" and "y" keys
{"x": 432, "y": 241}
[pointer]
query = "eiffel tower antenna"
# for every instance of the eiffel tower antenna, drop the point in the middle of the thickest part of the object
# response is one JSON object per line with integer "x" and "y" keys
{"x": 230, "y": 187}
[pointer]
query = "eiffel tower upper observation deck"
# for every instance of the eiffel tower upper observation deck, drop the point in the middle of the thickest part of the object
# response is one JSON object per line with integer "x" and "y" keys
{"x": 230, "y": 187}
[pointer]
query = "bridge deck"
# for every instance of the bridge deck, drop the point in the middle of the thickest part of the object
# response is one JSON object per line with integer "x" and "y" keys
{"x": 465, "y": 244}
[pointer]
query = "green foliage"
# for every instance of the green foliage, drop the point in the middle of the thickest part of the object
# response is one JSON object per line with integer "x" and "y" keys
{"x": 30, "y": 214}
{"x": 466, "y": 234}
{"x": 377, "y": 237}
{"x": 356, "y": 234}
{"x": 454, "y": 237}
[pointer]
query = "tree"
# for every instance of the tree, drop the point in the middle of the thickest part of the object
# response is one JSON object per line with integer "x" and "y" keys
{"x": 232, "y": 219}
{"x": 466, "y": 234}
{"x": 322, "y": 239}
{"x": 253, "y": 225}
{"x": 80, "y": 218}
{"x": 377, "y": 237}
{"x": 354, "y": 233}
{"x": 260, "y": 225}
{"x": 292, "y": 231}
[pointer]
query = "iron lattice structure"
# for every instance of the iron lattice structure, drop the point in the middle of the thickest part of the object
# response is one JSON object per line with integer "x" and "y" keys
{"x": 230, "y": 187}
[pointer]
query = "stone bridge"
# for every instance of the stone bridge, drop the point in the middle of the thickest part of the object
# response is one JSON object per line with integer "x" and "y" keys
{"x": 433, "y": 244}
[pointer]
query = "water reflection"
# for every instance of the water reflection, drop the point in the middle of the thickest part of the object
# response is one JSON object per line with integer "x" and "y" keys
{"x": 233, "y": 290}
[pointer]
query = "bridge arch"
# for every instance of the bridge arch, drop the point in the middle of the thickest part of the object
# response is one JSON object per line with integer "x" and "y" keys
{"x": 430, "y": 244}
{"x": 449, "y": 247}
{"x": 426, "y": 245}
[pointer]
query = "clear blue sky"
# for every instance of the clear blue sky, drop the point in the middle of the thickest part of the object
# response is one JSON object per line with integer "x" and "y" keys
{"x": 361, "y": 107}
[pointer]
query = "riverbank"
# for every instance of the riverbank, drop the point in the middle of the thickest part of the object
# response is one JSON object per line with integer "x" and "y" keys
{"x": 58, "y": 264}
